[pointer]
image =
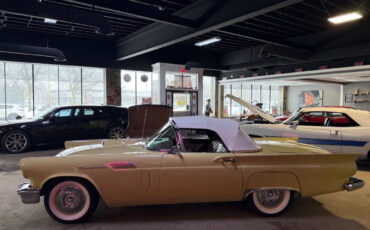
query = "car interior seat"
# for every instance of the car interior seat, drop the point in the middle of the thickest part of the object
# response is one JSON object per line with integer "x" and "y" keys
{"x": 328, "y": 122}
{"x": 216, "y": 147}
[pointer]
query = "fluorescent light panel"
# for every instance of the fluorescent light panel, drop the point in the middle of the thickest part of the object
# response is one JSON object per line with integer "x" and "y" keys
{"x": 345, "y": 17}
{"x": 50, "y": 21}
{"x": 208, "y": 41}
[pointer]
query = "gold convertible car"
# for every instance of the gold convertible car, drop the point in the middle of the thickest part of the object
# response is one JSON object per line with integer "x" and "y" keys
{"x": 189, "y": 160}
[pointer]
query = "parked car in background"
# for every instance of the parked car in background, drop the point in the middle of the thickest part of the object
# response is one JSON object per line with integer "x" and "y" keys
{"x": 188, "y": 160}
{"x": 12, "y": 110}
{"x": 337, "y": 129}
{"x": 57, "y": 125}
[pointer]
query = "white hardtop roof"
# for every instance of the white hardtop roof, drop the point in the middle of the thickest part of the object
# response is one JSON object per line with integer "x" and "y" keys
{"x": 362, "y": 117}
{"x": 228, "y": 130}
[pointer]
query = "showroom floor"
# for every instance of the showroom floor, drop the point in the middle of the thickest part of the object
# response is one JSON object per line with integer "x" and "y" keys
{"x": 342, "y": 210}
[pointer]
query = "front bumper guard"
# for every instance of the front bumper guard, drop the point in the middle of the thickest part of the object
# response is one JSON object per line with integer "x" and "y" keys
{"x": 28, "y": 194}
{"x": 353, "y": 184}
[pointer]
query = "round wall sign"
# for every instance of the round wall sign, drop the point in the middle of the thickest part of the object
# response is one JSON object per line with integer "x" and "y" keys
{"x": 144, "y": 78}
{"x": 127, "y": 77}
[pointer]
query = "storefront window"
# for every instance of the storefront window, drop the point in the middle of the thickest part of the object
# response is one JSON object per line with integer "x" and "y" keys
{"x": 144, "y": 87}
{"x": 46, "y": 87}
{"x": 92, "y": 86}
{"x": 265, "y": 98}
{"x": 19, "y": 90}
{"x": 256, "y": 94}
{"x": 235, "y": 106}
{"x": 128, "y": 86}
{"x": 209, "y": 91}
{"x": 2, "y": 92}
{"x": 275, "y": 100}
{"x": 69, "y": 85}
{"x": 246, "y": 95}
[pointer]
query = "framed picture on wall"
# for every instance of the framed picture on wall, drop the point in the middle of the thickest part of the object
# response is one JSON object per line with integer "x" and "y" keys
{"x": 309, "y": 98}
{"x": 348, "y": 97}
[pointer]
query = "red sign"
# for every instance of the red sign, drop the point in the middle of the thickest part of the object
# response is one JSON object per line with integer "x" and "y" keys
{"x": 357, "y": 63}
{"x": 183, "y": 70}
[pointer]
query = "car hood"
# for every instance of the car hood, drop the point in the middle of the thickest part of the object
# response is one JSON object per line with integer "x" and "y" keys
{"x": 256, "y": 110}
{"x": 16, "y": 122}
{"x": 125, "y": 146}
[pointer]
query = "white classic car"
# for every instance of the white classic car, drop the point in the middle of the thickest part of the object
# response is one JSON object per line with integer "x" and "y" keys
{"x": 337, "y": 129}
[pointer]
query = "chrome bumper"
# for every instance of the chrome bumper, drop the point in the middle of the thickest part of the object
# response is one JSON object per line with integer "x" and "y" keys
{"x": 28, "y": 194}
{"x": 353, "y": 184}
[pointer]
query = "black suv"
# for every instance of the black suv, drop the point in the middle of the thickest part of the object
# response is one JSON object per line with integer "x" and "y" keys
{"x": 57, "y": 125}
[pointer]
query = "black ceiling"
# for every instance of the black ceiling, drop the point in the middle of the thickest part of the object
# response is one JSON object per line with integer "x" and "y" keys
{"x": 157, "y": 25}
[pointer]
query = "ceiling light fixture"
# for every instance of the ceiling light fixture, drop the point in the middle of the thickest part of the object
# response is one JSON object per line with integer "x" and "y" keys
{"x": 208, "y": 41}
{"x": 345, "y": 18}
{"x": 50, "y": 21}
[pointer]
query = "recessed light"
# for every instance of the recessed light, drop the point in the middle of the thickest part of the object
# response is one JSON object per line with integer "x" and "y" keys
{"x": 50, "y": 21}
{"x": 208, "y": 41}
{"x": 345, "y": 17}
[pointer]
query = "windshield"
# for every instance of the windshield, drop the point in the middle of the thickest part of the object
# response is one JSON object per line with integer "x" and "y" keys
{"x": 43, "y": 114}
{"x": 164, "y": 138}
{"x": 294, "y": 117}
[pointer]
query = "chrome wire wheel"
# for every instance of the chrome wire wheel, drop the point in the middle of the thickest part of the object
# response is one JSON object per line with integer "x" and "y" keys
{"x": 16, "y": 142}
{"x": 271, "y": 201}
{"x": 69, "y": 200}
{"x": 116, "y": 133}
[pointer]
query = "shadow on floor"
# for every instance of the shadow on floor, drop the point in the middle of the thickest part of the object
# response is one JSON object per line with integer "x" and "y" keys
{"x": 306, "y": 213}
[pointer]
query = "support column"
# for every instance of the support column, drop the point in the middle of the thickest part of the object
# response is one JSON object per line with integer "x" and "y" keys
{"x": 113, "y": 87}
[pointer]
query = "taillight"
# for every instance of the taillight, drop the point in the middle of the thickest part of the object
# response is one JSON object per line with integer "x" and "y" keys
{"x": 121, "y": 165}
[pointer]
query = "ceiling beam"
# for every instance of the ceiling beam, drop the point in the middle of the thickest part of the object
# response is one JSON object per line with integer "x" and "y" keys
{"x": 58, "y": 12}
{"x": 256, "y": 36}
{"x": 138, "y": 11}
{"x": 158, "y": 36}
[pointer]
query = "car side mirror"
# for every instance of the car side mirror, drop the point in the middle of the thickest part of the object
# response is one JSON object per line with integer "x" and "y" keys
{"x": 294, "y": 124}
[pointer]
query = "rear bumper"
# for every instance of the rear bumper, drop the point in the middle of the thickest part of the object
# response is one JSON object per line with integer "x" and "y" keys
{"x": 28, "y": 194}
{"x": 353, "y": 184}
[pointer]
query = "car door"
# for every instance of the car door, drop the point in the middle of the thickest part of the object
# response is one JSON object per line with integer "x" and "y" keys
{"x": 309, "y": 128}
{"x": 200, "y": 177}
{"x": 93, "y": 122}
{"x": 67, "y": 125}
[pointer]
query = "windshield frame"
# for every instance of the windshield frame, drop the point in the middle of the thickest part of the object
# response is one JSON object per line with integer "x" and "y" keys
{"x": 159, "y": 134}
{"x": 44, "y": 114}
{"x": 294, "y": 117}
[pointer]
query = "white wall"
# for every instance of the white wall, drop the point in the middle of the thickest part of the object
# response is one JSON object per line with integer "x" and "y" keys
{"x": 361, "y": 86}
{"x": 331, "y": 94}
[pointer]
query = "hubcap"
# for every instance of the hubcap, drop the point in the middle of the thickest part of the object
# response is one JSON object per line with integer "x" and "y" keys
{"x": 270, "y": 198}
{"x": 15, "y": 142}
{"x": 116, "y": 133}
{"x": 70, "y": 200}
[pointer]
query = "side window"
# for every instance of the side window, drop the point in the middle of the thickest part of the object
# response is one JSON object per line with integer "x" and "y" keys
{"x": 312, "y": 118}
{"x": 89, "y": 112}
{"x": 340, "y": 120}
{"x": 199, "y": 140}
{"x": 63, "y": 113}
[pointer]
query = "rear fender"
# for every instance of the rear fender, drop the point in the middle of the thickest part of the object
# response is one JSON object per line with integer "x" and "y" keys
{"x": 277, "y": 180}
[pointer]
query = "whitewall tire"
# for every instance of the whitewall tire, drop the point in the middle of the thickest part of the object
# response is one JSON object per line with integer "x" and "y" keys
{"x": 270, "y": 202}
{"x": 70, "y": 201}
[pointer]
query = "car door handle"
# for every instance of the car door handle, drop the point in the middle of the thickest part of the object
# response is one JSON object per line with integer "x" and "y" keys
{"x": 232, "y": 160}
{"x": 334, "y": 132}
